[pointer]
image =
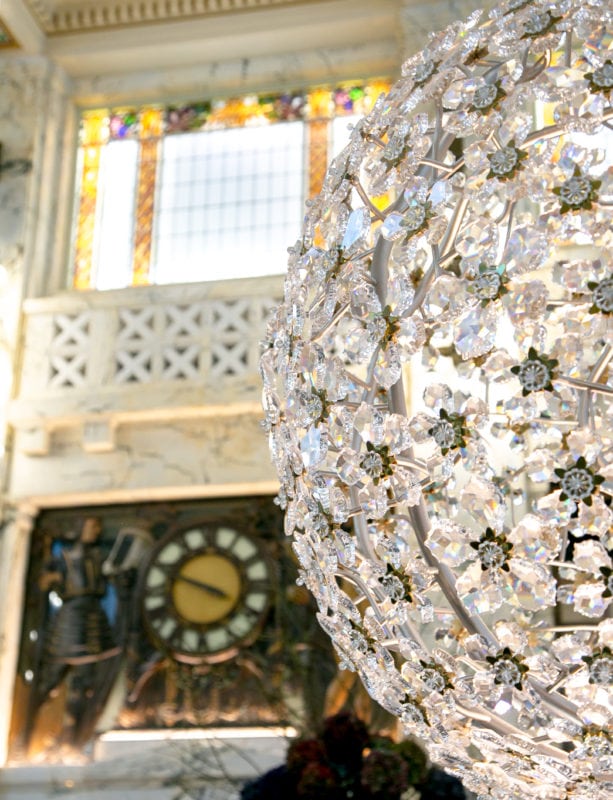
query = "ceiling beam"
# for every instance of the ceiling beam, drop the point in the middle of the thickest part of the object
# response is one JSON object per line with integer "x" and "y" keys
{"x": 260, "y": 32}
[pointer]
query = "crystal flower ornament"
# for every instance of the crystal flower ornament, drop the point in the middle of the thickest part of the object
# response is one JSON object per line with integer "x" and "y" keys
{"x": 438, "y": 390}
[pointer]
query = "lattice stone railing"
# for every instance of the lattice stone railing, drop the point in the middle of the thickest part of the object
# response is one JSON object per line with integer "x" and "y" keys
{"x": 97, "y": 358}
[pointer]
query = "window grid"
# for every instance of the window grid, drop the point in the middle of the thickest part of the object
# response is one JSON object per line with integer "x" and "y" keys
{"x": 226, "y": 197}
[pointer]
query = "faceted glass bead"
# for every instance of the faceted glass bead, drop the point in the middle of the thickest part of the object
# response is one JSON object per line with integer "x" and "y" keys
{"x": 506, "y": 672}
{"x": 601, "y": 670}
{"x": 491, "y": 555}
{"x": 575, "y": 191}
{"x": 603, "y": 76}
{"x": 533, "y": 375}
{"x": 504, "y": 161}
{"x": 484, "y": 96}
{"x": 577, "y": 483}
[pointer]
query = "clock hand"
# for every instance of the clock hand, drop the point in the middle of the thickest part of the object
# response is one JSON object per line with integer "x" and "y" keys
{"x": 205, "y": 586}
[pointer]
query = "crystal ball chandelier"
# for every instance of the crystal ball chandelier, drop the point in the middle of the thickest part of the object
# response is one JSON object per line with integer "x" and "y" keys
{"x": 438, "y": 392}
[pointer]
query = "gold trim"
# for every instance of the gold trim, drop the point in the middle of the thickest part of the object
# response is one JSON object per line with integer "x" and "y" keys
{"x": 144, "y": 213}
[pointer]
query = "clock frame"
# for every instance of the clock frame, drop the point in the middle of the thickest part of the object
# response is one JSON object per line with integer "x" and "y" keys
{"x": 205, "y": 593}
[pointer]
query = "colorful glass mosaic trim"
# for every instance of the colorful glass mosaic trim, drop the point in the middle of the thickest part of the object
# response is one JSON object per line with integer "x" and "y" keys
{"x": 324, "y": 103}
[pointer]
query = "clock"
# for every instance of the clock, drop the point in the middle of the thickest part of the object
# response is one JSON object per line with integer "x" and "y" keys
{"x": 205, "y": 593}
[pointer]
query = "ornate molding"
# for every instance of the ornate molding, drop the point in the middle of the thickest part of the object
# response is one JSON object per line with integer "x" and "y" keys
{"x": 88, "y": 16}
{"x": 42, "y": 10}
{"x": 191, "y": 346}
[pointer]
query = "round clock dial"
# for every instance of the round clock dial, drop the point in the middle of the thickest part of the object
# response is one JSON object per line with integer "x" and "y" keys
{"x": 206, "y": 593}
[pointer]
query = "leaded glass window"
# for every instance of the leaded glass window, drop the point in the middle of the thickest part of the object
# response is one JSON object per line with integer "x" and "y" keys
{"x": 203, "y": 191}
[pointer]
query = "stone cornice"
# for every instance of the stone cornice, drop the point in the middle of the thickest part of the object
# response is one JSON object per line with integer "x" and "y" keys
{"x": 275, "y": 72}
{"x": 57, "y": 18}
{"x": 42, "y": 10}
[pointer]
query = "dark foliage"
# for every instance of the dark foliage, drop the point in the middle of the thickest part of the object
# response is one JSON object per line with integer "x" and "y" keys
{"x": 344, "y": 761}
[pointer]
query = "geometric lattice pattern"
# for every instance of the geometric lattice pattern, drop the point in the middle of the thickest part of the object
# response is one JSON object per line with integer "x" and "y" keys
{"x": 229, "y": 338}
{"x": 189, "y": 342}
{"x": 182, "y": 338}
{"x": 69, "y": 349}
{"x": 232, "y": 327}
{"x": 200, "y": 341}
{"x": 135, "y": 344}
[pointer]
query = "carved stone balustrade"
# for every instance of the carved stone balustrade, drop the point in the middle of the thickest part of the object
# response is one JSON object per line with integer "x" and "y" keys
{"x": 142, "y": 390}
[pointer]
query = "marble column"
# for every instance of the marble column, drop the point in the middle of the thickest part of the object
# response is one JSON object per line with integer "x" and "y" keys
{"x": 34, "y": 109}
{"x": 14, "y": 548}
{"x": 37, "y": 133}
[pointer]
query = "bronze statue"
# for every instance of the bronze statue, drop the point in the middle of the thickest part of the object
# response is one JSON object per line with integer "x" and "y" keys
{"x": 80, "y": 634}
{"x": 87, "y": 594}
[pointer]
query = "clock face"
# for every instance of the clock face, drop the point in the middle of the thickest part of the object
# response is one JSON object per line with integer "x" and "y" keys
{"x": 205, "y": 593}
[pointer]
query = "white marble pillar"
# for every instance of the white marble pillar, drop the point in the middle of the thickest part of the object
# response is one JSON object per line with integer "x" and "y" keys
{"x": 36, "y": 133}
{"x": 33, "y": 124}
{"x": 37, "y": 124}
{"x": 14, "y": 548}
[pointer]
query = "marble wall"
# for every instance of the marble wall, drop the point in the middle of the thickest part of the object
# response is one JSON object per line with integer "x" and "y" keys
{"x": 21, "y": 81}
{"x": 32, "y": 97}
{"x": 157, "y": 460}
{"x": 168, "y": 406}
{"x": 33, "y": 126}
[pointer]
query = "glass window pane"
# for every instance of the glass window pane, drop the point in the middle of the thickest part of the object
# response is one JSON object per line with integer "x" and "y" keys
{"x": 229, "y": 202}
{"x": 115, "y": 226}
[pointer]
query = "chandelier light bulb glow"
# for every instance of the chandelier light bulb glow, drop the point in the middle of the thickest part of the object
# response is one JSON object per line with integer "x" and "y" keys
{"x": 438, "y": 392}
